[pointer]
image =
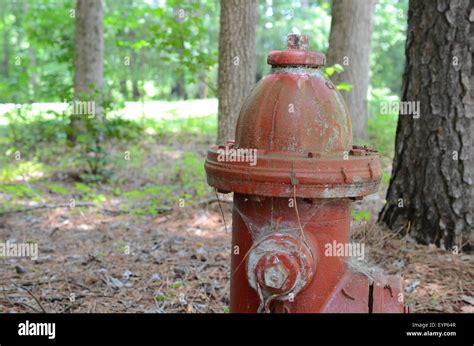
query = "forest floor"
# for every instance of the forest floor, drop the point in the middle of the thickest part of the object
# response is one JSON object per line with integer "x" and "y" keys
{"x": 91, "y": 261}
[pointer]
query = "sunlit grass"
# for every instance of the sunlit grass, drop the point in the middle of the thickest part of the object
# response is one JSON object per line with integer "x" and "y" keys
{"x": 19, "y": 171}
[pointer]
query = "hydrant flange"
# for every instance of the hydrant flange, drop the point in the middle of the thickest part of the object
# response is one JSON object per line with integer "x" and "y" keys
{"x": 354, "y": 173}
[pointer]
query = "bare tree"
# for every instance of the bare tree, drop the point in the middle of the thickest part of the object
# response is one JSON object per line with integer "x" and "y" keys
{"x": 349, "y": 46}
{"x": 431, "y": 189}
{"x": 237, "y": 61}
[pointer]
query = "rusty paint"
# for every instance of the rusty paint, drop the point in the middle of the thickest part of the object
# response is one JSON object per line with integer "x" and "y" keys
{"x": 297, "y": 198}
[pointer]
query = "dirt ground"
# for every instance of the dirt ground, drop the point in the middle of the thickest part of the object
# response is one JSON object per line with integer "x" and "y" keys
{"x": 92, "y": 260}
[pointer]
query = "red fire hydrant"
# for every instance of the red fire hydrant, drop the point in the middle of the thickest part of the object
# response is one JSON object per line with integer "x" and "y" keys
{"x": 294, "y": 173}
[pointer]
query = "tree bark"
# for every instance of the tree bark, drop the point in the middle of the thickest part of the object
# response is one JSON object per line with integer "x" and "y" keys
{"x": 89, "y": 58}
{"x": 431, "y": 190}
{"x": 237, "y": 61}
{"x": 349, "y": 46}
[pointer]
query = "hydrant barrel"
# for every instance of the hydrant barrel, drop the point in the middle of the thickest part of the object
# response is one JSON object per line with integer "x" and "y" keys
{"x": 294, "y": 173}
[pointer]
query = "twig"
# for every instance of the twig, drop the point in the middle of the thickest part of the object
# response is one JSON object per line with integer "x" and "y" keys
{"x": 222, "y": 212}
{"x": 32, "y": 295}
{"x": 213, "y": 200}
{"x": 21, "y": 304}
{"x": 298, "y": 215}
{"x": 16, "y": 303}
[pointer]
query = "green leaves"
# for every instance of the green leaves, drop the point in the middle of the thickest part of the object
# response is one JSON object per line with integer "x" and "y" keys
{"x": 344, "y": 86}
{"x": 330, "y": 70}
{"x": 58, "y": 189}
{"x": 362, "y": 215}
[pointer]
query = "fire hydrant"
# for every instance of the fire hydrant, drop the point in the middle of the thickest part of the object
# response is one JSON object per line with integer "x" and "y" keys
{"x": 294, "y": 173}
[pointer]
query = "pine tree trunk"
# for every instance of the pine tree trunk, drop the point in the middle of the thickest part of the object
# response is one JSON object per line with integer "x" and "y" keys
{"x": 349, "y": 46}
{"x": 431, "y": 191}
{"x": 237, "y": 61}
{"x": 89, "y": 57}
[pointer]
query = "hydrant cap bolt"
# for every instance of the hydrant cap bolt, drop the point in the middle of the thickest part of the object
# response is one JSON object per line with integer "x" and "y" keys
{"x": 280, "y": 263}
{"x": 277, "y": 272}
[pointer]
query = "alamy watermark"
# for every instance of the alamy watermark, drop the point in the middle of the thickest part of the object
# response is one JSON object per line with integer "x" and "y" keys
{"x": 83, "y": 108}
{"x": 401, "y": 107}
{"x": 237, "y": 155}
{"x": 10, "y": 249}
{"x": 345, "y": 250}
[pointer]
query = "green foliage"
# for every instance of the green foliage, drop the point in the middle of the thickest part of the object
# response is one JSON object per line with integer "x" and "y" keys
{"x": 26, "y": 130}
{"x": 190, "y": 174}
{"x": 176, "y": 285}
{"x": 382, "y": 130}
{"x": 17, "y": 190}
{"x": 185, "y": 181}
{"x": 58, "y": 189}
{"x": 386, "y": 178}
{"x": 40, "y": 38}
{"x": 382, "y": 127}
{"x": 328, "y": 71}
{"x": 12, "y": 170}
{"x": 206, "y": 126}
{"x": 13, "y": 194}
{"x": 362, "y": 215}
{"x": 161, "y": 297}
{"x": 277, "y": 19}
{"x": 152, "y": 46}
{"x": 186, "y": 38}
{"x": 388, "y": 45}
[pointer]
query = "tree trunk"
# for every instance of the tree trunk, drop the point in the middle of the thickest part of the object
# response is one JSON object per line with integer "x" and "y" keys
{"x": 6, "y": 43}
{"x": 33, "y": 78}
{"x": 202, "y": 90}
{"x": 32, "y": 53}
{"x": 89, "y": 57}
{"x": 178, "y": 90}
{"x": 135, "y": 73}
{"x": 349, "y": 46}
{"x": 135, "y": 89}
{"x": 124, "y": 89}
{"x": 431, "y": 190}
{"x": 237, "y": 61}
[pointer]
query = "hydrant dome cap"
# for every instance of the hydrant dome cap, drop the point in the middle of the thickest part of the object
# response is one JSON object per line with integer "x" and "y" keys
{"x": 297, "y": 53}
{"x": 296, "y": 57}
